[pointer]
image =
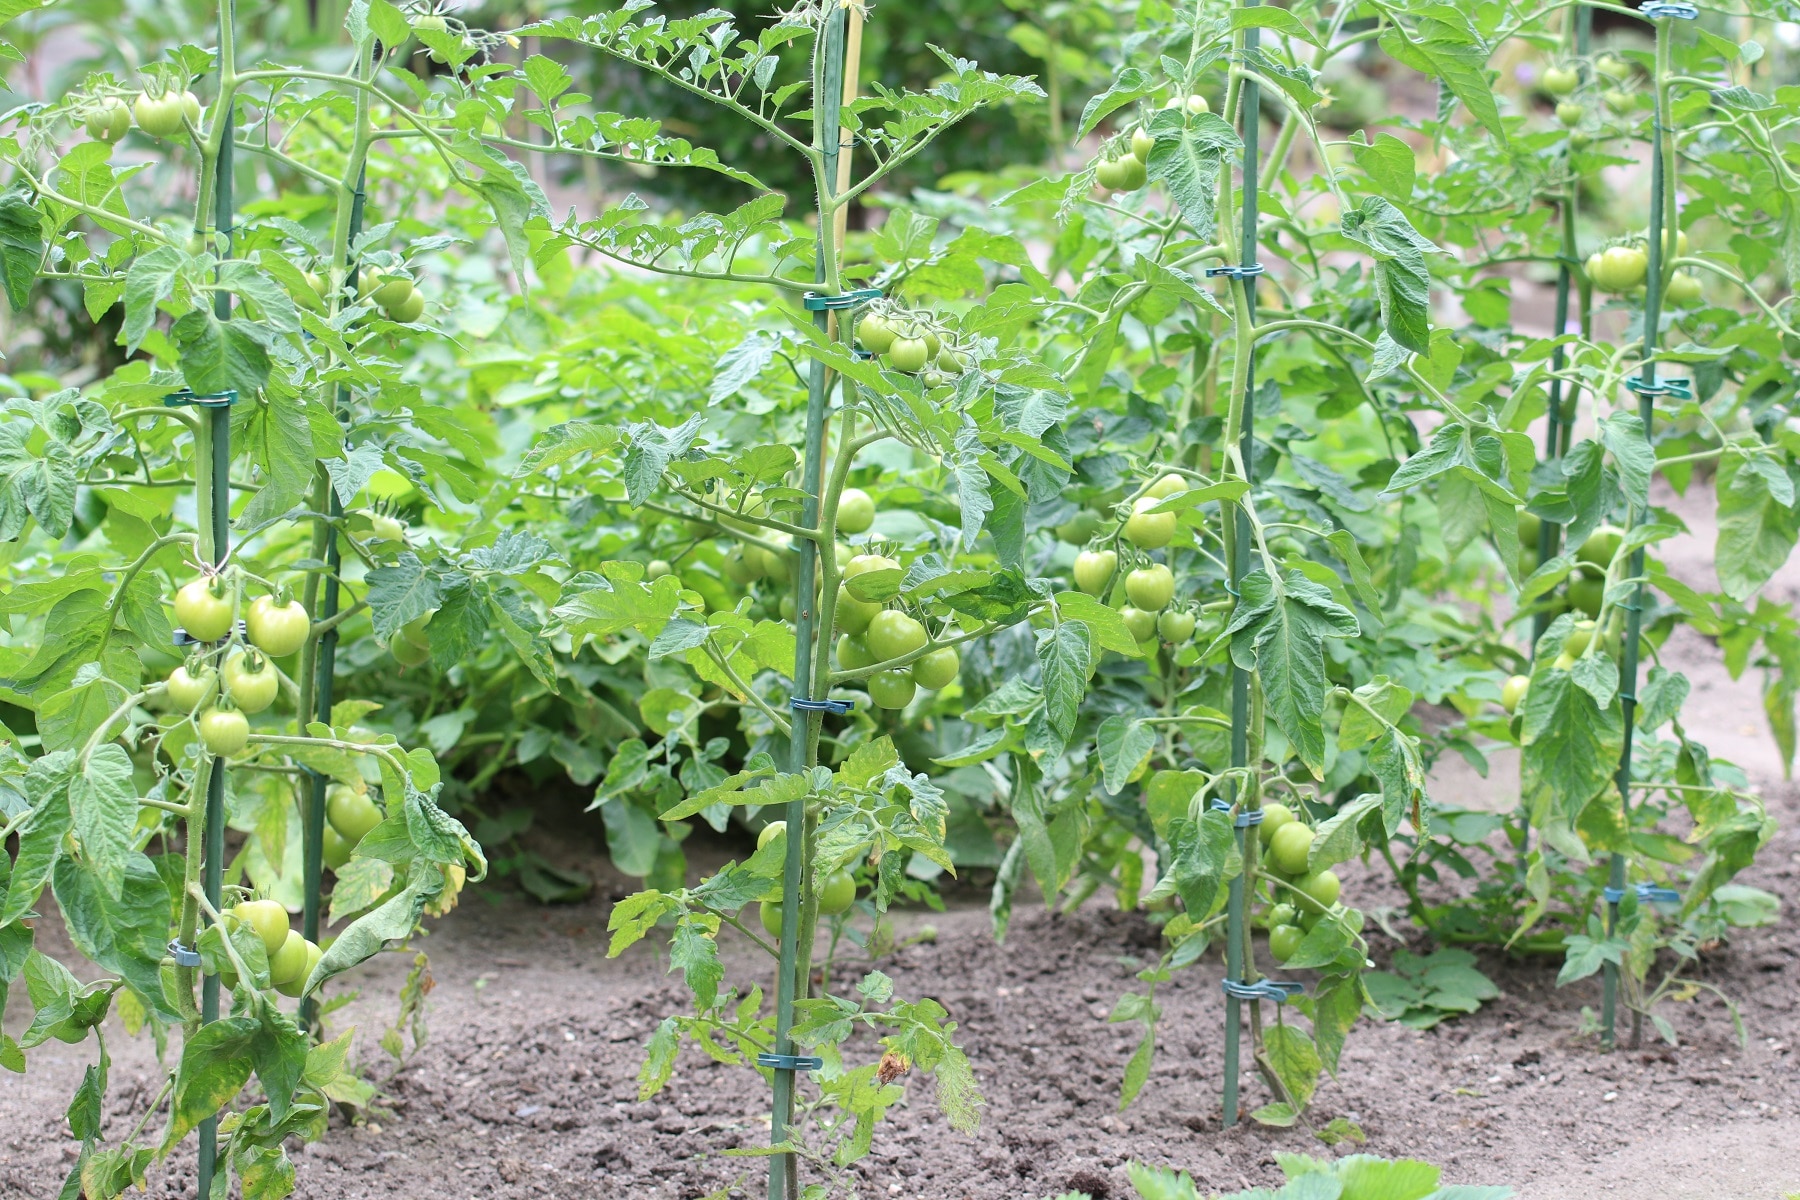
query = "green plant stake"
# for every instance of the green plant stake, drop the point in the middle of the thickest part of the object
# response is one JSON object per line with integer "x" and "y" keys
{"x": 1647, "y": 387}
{"x": 784, "y": 1169}
{"x": 1237, "y": 936}
{"x": 313, "y": 844}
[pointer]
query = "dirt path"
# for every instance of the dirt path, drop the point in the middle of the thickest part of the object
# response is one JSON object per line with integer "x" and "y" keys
{"x": 526, "y": 1085}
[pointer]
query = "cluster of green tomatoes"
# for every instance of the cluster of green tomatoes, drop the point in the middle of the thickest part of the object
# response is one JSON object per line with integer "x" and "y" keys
{"x": 159, "y": 114}
{"x": 836, "y": 895}
{"x": 1149, "y": 586}
{"x": 1622, "y": 268}
{"x": 1129, "y": 171}
{"x": 1299, "y": 898}
{"x": 912, "y": 342}
{"x": 291, "y": 956}
{"x": 228, "y": 678}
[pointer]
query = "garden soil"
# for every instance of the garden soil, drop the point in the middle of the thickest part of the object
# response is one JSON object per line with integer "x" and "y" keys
{"x": 525, "y": 1086}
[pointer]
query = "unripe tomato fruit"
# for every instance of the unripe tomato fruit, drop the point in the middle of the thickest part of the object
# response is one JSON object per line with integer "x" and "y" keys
{"x": 1618, "y": 101}
{"x": 852, "y": 655}
{"x": 1151, "y": 587}
{"x": 838, "y": 894}
{"x": 250, "y": 681}
{"x": 1684, "y": 290}
{"x": 288, "y": 958}
{"x": 1512, "y": 693}
{"x": 893, "y": 634}
{"x": 278, "y": 630}
{"x": 166, "y": 115}
{"x": 316, "y": 282}
{"x": 430, "y": 23}
{"x": 1564, "y": 661}
{"x": 1079, "y": 528}
{"x": 1140, "y": 622}
{"x": 1619, "y": 269}
{"x": 1195, "y": 105}
{"x": 770, "y": 832}
{"x": 1321, "y": 887}
{"x": 937, "y": 669}
{"x": 268, "y": 918}
{"x": 225, "y": 731}
{"x": 409, "y": 309}
{"x": 1175, "y": 626}
{"x": 892, "y": 689}
{"x": 775, "y": 563}
{"x": 335, "y": 849}
{"x": 109, "y": 120}
{"x": 297, "y": 984}
{"x": 391, "y": 292}
{"x": 1601, "y": 546}
{"x": 1570, "y": 113}
{"x": 657, "y": 568}
{"x": 384, "y": 528}
{"x": 1169, "y": 485}
{"x": 852, "y": 615}
{"x": 1579, "y": 639}
{"x": 1289, "y": 847}
{"x": 205, "y": 614}
{"x": 1109, "y": 173}
{"x": 769, "y": 912}
{"x": 351, "y": 813}
{"x": 743, "y": 565}
{"x": 1275, "y": 817}
{"x": 409, "y": 654}
{"x": 1282, "y": 914}
{"x": 1560, "y": 81}
{"x": 1094, "y": 570}
{"x": 1586, "y": 595}
{"x": 856, "y": 511}
{"x": 1147, "y": 530}
{"x": 862, "y": 564}
{"x": 1284, "y": 941}
{"x": 186, "y": 691}
{"x": 875, "y": 334}
{"x": 1675, "y": 243}
{"x": 1142, "y": 143}
{"x": 908, "y": 354}
{"x": 1613, "y": 67}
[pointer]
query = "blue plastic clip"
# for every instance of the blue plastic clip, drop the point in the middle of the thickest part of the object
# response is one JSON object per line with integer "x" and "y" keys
{"x": 790, "y": 1062}
{"x": 1245, "y": 819}
{"x": 182, "y": 955}
{"x": 1647, "y": 893}
{"x": 1278, "y": 990}
{"x": 1654, "y": 9}
{"x": 1235, "y": 272}
{"x": 840, "y": 707}
{"x": 223, "y": 399}
{"x": 1678, "y": 388}
{"x": 182, "y": 638}
{"x": 818, "y": 302}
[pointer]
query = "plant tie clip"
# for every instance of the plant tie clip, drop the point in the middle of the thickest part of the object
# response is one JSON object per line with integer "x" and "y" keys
{"x": 1647, "y": 893}
{"x": 1278, "y": 990}
{"x": 1245, "y": 819}
{"x": 181, "y": 637}
{"x": 1235, "y": 272}
{"x": 223, "y": 399}
{"x": 819, "y": 302}
{"x": 182, "y": 955}
{"x": 1656, "y": 9}
{"x": 790, "y": 1062}
{"x": 1681, "y": 389}
{"x": 840, "y": 707}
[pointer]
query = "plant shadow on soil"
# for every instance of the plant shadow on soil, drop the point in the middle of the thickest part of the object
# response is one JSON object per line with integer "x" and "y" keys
{"x": 526, "y": 1085}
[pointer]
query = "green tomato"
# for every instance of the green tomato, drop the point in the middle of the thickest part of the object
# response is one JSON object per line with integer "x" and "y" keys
{"x": 776, "y": 564}
{"x": 1169, "y": 485}
{"x": 856, "y": 511}
{"x": 1613, "y": 67}
{"x": 430, "y": 23}
{"x": 386, "y": 528}
{"x": 297, "y": 984}
{"x": 1618, "y": 101}
{"x": 188, "y": 690}
{"x": 790, "y": 611}
{"x": 1570, "y": 113}
{"x": 288, "y": 958}
{"x": 1289, "y": 848}
{"x": 1275, "y": 817}
{"x": 937, "y": 669}
{"x": 892, "y": 689}
{"x": 1151, "y": 587}
{"x": 1684, "y": 290}
{"x": 278, "y": 630}
{"x": 109, "y": 120}
{"x": 771, "y": 831}
{"x": 1141, "y": 622}
{"x": 1564, "y": 662}
{"x": 1579, "y": 639}
{"x": 657, "y": 568}
{"x": 1147, "y": 530}
{"x": 1560, "y": 81}
{"x": 1586, "y": 594}
{"x": 838, "y": 894}
{"x": 893, "y": 634}
{"x": 203, "y": 612}
{"x": 769, "y": 912}
{"x": 225, "y": 731}
{"x": 166, "y": 115}
{"x": 1175, "y": 626}
{"x": 1094, "y": 570}
{"x": 875, "y": 334}
{"x": 251, "y": 681}
{"x": 1601, "y": 546}
{"x": 1142, "y": 143}
{"x": 743, "y": 565}
{"x": 908, "y": 354}
{"x": 853, "y": 615}
{"x": 1530, "y": 525}
{"x": 351, "y": 813}
{"x": 1282, "y": 914}
{"x": 1284, "y": 941}
{"x": 1079, "y": 528}
{"x": 408, "y": 310}
{"x": 408, "y": 653}
{"x": 1132, "y": 174}
{"x": 1109, "y": 173}
{"x": 391, "y": 291}
{"x": 1618, "y": 268}
{"x": 1512, "y": 693}
{"x": 852, "y": 655}
{"x": 268, "y": 918}
{"x": 1321, "y": 888}
{"x": 335, "y": 849}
